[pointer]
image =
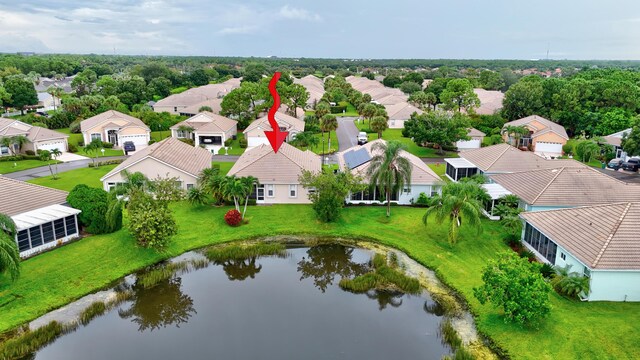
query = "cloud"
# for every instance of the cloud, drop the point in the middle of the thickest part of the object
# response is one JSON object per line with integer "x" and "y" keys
{"x": 292, "y": 13}
{"x": 238, "y": 30}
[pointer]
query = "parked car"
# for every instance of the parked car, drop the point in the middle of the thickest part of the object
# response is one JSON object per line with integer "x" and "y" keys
{"x": 615, "y": 164}
{"x": 632, "y": 164}
{"x": 129, "y": 146}
{"x": 362, "y": 138}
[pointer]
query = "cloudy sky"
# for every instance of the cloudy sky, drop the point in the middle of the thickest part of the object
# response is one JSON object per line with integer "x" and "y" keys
{"x": 487, "y": 29}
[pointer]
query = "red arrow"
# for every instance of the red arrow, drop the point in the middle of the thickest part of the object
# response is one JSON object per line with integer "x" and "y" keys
{"x": 275, "y": 136}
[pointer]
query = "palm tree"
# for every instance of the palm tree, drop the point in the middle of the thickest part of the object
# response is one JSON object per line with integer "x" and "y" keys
{"x": 516, "y": 133}
{"x": 248, "y": 182}
{"x": 328, "y": 123}
{"x": 369, "y": 111}
{"x": 388, "y": 169}
{"x": 212, "y": 182}
{"x": 55, "y": 153}
{"x": 570, "y": 282}
{"x": 197, "y": 195}
{"x": 132, "y": 182}
{"x": 20, "y": 140}
{"x": 234, "y": 188}
{"x": 55, "y": 92}
{"x": 93, "y": 148}
{"x": 379, "y": 124}
{"x": 8, "y": 143}
{"x": 9, "y": 255}
{"x": 305, "y": 139}
{"x": 458, "y": 201}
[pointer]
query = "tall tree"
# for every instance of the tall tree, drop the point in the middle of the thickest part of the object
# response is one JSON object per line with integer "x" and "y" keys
{"x": 458, "y": 202}
{"x": 631, "y": 141}
{"x": 388, "y": 169}
{"x": 459, "y": 95}
{"x": 515, "y": 133}
{"x": 9, "y": 255}
{"x": 23, "y": 93}
{"x": 490, "y": 80}
{"x": 524, "y": 98}
{"x": 438, "y": 128}
{"x": 379, "y": 124}
{"x": 328, "y": 123}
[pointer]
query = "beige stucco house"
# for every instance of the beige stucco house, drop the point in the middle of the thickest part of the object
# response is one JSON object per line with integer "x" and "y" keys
{"x": 189, "y": 102}
{"x": 166, "y": 159}
{"x": 546, "y": 138}
{"x": 116, "y": 128}
{"x": 39, "y": 138}
{"x": 254, "y": 133}
{"x": 277, "y": 173}
{"x": 209, "y": 130}
{"x": 399, "y": 113}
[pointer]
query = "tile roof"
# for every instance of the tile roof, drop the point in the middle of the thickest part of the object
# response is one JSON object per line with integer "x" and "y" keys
{"x": 214, "y": 104}
{"x": 567, "y": 186}
{"x": 490, "y": 101}
{"x": 173, "y": 152}
{"x": 199, "y": 94}
{"x": 37, "y": 133}
{"x": 110, "y": 116}
{"x": 548, "y": 125}
{"x": 19, "y": 197}
{"x": 33, "y": 133}
{"x": 208, "y": 122}
{"x": 473, "y": 132}
{"x": 616, "y": 138}
{"x": 506, "y": 158}
{"x": 401, "y": 111}
{"x": 263, "y": 122}
{"x": 283, "y": 167}
{"x": 421, "y": 174}
{"x": 314, "y": 86}
{"x": 603, "y": 237}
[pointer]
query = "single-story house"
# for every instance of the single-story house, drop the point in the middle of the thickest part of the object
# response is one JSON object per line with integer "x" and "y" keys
{"x": 615, "y": 140}
{"x": 490, "y": 101}
{"x": 545, "y": 138}
{"x": 423, "y": 179}
{"x": 214, "y": 104}
{"x": 189, "y": 99}
{"x": 254, "y": 133}
{"x": 314, "y": 86}
{"x": 42, "y": 217}
{"x": 565, "y": 187}
{"x": 498, "y": 159}
{"x": 599, "y": 242}
{"x": 166, "y": 159}
{"x": 475, "y": 142}
{"x": 209, "y": 130}
{"x": 116, "y": 128}
{"x": 399, "y": 113}
{"x": 39, "y": 138}
{"x": 277, "y": 173}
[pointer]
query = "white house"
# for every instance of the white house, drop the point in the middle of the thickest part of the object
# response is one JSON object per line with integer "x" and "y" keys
{"x": 116, "y": 128}
{"x": 39, "y": 138}
{"x": 423, "y": 179}
{"x": 475, "y": 141}
{"x": 277, "y": 173}
{"x": 42, "y": 218}
{"x": 209, "y": 130}
{"x": 254, "y": 133}
{"x": 599, "y": 242}
{"x": 615, "y": 140}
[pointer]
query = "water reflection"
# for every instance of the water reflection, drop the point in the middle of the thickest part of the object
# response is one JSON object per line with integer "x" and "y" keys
{"x": 159, "y": 306}
{"x": 323, "y": 263}
{"x": 240, "y": 269}
{"x": 385, "y": 298}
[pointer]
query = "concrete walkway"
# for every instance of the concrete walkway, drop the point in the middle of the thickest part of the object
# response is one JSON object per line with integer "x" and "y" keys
{"x": 43, "y": 171}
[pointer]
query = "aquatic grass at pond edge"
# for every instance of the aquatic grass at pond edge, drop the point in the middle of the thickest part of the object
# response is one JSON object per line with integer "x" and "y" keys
{"x": 383, "y": 277}
{"x": 241, "y": 252}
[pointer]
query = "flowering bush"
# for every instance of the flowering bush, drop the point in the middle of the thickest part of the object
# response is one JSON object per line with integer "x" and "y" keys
{"x": 233, "y": 217}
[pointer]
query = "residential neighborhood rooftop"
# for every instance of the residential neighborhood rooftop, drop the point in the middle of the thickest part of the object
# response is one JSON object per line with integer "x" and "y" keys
{"x": 282, "y": 167}
{"x": 601, "y": 237}
{"x": 207, "y": 121}
{"x": 172, "y": 152}
{"x": 490, "y": 101}
{"x": 567, "y": 186}
{"x": 506, "y": 158}
{"x": 263, "y": 122}
{"x": 540, "y": 126}
{"x": 615, "y": 139}
{"x": 19, "y": 197}
{"x": 110, "y": 115}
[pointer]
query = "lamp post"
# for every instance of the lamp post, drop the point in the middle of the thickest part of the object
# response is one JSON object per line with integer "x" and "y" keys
{"x": 102, "y": 150}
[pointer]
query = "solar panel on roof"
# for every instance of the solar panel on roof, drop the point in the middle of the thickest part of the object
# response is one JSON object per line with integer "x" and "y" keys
{"x": 355, "y": 158}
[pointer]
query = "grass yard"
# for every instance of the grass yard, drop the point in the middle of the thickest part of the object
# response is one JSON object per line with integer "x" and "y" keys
{"x": 73, "y": 138}
{"x": 160, "y": 135}
{"x": 350, "y": 111}
{"x": 575, "y": 330}
{"x": 235, "y": 148}
{"x": 225, "y": 166}
{"x": 412, "y": 147}
{"x": 67, "y": 180}
{"x": 77, "y": 138}
{"x": 334, "y": 143}
{"x": 13, "y": 166}
{"x": 440, "y": 169}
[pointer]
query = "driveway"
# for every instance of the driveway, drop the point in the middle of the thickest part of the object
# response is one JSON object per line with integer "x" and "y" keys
{"x": 622, "y": 175}
{"x": 347, "y": 133}
{"x": 68, "y": 157}
{"x": 43, "y": 171}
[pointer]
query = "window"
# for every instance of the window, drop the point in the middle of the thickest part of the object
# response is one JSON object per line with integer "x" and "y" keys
{"x": 4, "y": 150}
{"x": 23, "y": 240}
{"x": 110, "y": 186}
{"x": 407, "y": 190}
{"x": 586, "y": 272}
{"x": 36, "y": 236}
{"x": 190, "y": 186}
{"x": 540, "y": 243}
{"x": 96, "y": 136}
{"x": 563, "y": 256}
{"x": 59, "y": 228}
{"x": 47, "y": 232}
{"x": 175, "y": 109}
{"x": 293, "y": 191}
{"x": 70, "y": 222}
{"x": 182, "y": 134}
{"x": 270, "y": 190}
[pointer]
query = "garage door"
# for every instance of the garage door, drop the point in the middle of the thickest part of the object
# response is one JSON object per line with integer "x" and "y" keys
{"x": 137, "y": 139}
{"x": 547, "y": 147}
{"x": 468, "y": 144}
{"x": 256, "y": 141}
{"x": 60, "y": 145}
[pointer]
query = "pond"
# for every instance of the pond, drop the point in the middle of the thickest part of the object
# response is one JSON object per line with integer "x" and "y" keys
{"x": 285, "y": 306}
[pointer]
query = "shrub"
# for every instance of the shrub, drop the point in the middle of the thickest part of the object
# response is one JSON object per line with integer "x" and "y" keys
{"x": 526, "y": 254}
{"x": 513, "y": 241}
{"x": 567, "y": 148}
{"x": 151, "y": 221}
{"x": 423, "y": 199}
{"x": 547, "y": 271}
{"x": 243, "y": 143}
{"x": 72, "y": 148}
{"x": 233, "y": 217}
{"x": 569, "y": 283}
{"x": 93, "y": 203}
{"x": 228, "y": 142}
{"x": 106, "y": 162}
{"x": 74, "y": 128}
{"x": 107, "y": 145}
{"x": 81, "y": 143}
{"x": 338, "y": 109}
{"x": 151, "y": 142}
{"x": 29, "y": 152}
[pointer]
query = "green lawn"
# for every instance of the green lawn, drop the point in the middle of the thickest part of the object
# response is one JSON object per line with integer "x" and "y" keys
{"x": 396, "y": 134}
{"x": 575, "y": 330}
{"x": 440, "y": 169}
{"x": 235, "y": 146}
{"x": 13, "y": 166}
{"x": 73, "y": 138}
{"x": 334, "y": 143}
{"x": 67, "y": 180}
{"x": 225, "y": 166}
{"x": 350, "y": 111}
{"x": 160, "y": 135}
{"x": 77, "y": 138}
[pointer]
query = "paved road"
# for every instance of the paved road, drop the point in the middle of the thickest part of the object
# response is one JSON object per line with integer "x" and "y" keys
{"x": 43, "y": 171}
{"x": 347, "y": 133}
{"x": 225, "y": 158}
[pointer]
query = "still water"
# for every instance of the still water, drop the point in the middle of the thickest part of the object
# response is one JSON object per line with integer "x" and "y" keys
{"x": 262, "y": 308}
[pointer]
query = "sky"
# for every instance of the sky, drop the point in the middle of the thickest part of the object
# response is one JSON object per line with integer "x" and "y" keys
{"x": 461, "y": 29}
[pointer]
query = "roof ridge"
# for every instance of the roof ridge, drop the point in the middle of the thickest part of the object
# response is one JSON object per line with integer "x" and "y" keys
{"x": 548, "y": 184}
{"x": 256, "y": 159}
{"x": 611, "y": 235}
{"x": 500, "y": 155}
{"x": 34, "y": 185}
